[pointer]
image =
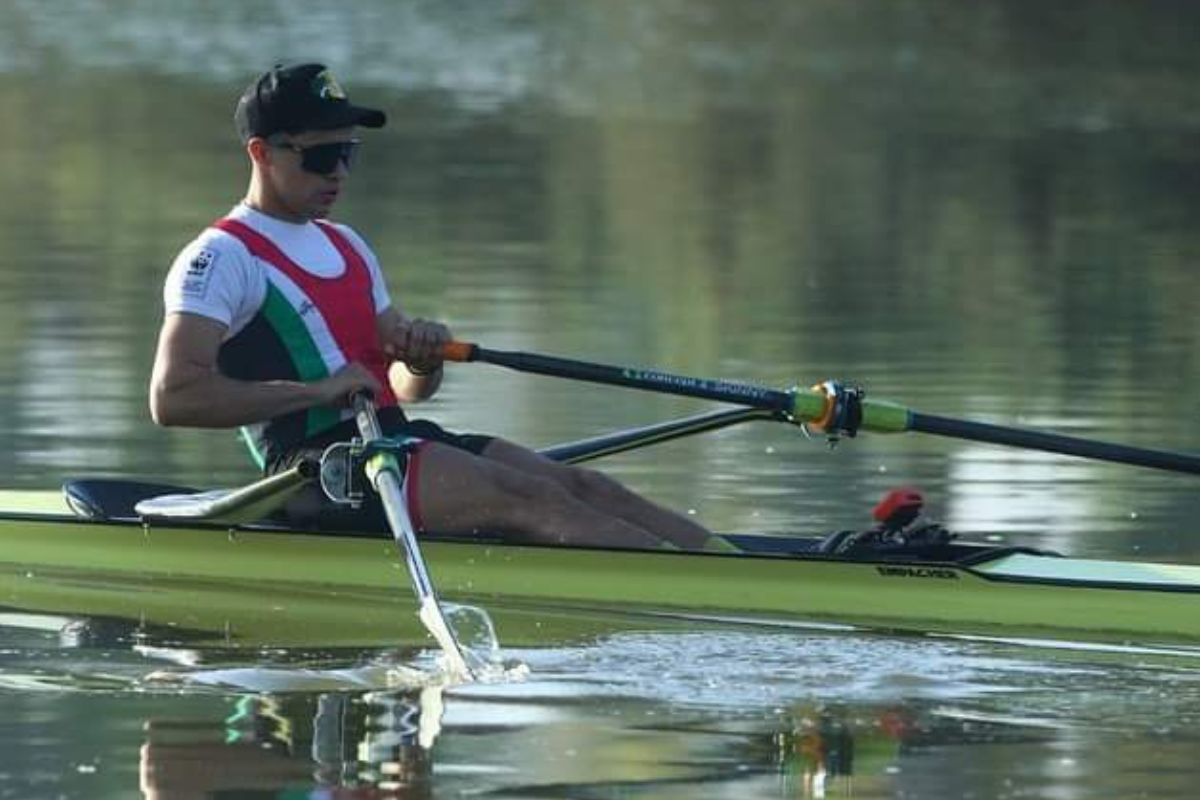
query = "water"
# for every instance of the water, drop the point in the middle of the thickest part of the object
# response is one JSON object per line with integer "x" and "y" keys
{"x": 980, "y": 210}
{"x": 716, "y": 710}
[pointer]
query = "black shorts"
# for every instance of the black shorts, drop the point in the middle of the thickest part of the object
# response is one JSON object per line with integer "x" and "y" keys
{"x": 394, "y": 424}
{"x": 311, "y": 509}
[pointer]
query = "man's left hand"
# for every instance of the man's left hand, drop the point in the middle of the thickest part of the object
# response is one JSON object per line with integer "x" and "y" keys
{"x": 418, "y": 343}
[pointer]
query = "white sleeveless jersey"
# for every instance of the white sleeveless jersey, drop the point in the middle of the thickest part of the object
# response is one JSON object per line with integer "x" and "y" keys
{"x": 215, "y": 275}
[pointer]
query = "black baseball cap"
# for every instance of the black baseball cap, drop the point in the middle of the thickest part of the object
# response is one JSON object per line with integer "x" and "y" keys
{"x": 302, "y": 97}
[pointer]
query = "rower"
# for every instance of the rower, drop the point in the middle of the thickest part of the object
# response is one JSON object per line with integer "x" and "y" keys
{"x": 275, "y": 316}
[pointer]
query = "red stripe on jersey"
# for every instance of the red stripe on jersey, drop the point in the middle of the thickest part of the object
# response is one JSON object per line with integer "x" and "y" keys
{"x": 345, "y": 301}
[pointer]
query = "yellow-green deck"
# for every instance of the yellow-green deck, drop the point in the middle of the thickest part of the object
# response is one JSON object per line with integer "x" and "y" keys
{"x": 280, "y": 587}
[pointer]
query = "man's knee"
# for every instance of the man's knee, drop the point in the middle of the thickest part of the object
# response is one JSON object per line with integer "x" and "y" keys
{"x": 590, "y": 485}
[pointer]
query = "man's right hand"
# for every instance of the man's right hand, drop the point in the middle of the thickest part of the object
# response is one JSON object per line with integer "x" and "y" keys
{"x": 338, "y": 387}
{"x": 188, "y": 389}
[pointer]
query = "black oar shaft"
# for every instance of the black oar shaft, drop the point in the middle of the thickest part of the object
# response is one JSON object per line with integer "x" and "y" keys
{"x": 648, "y": 380}
{"x": 1053, "y": 443}
{"x": 812, "y": 406}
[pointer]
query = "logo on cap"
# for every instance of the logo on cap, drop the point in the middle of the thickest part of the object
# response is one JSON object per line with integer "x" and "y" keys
{"x": 326, "y": 87}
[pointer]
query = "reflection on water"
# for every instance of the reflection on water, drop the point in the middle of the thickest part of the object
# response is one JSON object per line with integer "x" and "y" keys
{"x": 721, "y": 711}
{"x": 309, "y": 742}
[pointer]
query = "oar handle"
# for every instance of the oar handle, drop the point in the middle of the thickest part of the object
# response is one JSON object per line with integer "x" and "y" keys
{"x": 362, "y": 402}
{"x": 460, "y": 351}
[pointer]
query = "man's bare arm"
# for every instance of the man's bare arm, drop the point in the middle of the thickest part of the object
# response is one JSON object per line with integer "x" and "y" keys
{"x": 186, "y": 388}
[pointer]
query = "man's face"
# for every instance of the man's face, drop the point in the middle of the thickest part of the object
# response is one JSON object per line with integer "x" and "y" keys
{"x": 309, "y": 169}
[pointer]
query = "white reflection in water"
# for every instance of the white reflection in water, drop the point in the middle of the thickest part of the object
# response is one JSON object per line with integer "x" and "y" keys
{"x": 72, "y": 394}
{"x": 1011, "y": 491}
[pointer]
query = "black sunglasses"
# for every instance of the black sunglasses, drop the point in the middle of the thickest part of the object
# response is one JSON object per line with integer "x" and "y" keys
{"x": 323, "y": 159}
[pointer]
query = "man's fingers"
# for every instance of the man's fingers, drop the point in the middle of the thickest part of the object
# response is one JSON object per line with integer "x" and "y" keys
{"x": 434, "y": 335}
{"x": 401, "y": 336}
{"x": 369, "y": 381}
{"x": 417, "y": 342}
{"x": 358, "y": 378}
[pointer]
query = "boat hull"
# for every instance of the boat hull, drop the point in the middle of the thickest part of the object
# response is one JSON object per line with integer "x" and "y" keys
{"x": 277, "y": 587}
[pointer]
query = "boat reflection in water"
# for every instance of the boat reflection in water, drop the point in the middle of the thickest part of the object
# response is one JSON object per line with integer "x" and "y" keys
{"x": 819, "y": 750}
{"x": 816, "y": 755}
{"x": 339, "y": 744}
{"x": 379, "y": 745}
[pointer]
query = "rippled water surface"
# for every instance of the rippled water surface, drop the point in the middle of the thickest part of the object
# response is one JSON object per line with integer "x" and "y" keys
{"x": 983, "y": 210}
{"x": 688, "y": 711}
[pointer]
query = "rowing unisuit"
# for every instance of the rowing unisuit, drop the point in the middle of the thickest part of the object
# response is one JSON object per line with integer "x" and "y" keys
{"x": 295, "y": 300}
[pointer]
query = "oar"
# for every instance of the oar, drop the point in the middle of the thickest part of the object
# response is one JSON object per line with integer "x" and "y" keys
{"x": 819, "y": 405}
{"x": 385, "y": 476}
{"x": 625, "y": 440}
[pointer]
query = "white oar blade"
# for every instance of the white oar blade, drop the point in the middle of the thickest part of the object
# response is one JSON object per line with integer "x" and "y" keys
{"x": 435, "y": 621}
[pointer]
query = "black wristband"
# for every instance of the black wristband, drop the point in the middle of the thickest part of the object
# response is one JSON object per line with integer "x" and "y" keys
{"x": 421, "y": 373}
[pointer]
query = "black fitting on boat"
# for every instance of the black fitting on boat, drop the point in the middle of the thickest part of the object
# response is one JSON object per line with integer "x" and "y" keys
{"x": 342, "y": 475}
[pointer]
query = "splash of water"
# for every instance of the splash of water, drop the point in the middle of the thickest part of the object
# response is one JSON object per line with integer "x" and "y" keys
{"x": 480, "y": 647}
{"x": 481, "y": 661}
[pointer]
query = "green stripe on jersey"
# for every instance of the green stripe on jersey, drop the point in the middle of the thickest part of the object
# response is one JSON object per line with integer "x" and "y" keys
{"x": 296, "y": 338}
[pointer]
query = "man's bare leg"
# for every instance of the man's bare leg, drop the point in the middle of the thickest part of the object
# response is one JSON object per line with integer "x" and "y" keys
{"x": 460, "y": 493}
{"x": 606, "y": 495}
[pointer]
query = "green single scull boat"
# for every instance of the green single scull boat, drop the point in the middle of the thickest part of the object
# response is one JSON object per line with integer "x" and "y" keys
{"x": 965, "y": 588}
{"x": 159, "y": 562}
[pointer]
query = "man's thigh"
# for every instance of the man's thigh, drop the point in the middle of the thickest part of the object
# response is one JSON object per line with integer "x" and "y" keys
{"x": 527, "y": 461}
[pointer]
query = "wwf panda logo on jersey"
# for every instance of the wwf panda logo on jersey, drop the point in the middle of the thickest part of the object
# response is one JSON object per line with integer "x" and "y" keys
{"x": 199, "y": 270}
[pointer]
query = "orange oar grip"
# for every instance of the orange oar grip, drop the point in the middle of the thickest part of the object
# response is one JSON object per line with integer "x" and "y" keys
{"x": 458, "y": 351}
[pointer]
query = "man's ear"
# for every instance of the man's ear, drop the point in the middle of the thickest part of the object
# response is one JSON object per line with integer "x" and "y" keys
{"x": 259, "y": 151}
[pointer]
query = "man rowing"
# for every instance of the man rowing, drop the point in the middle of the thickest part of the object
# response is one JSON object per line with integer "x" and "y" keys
{"x": 275, "y": 316}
